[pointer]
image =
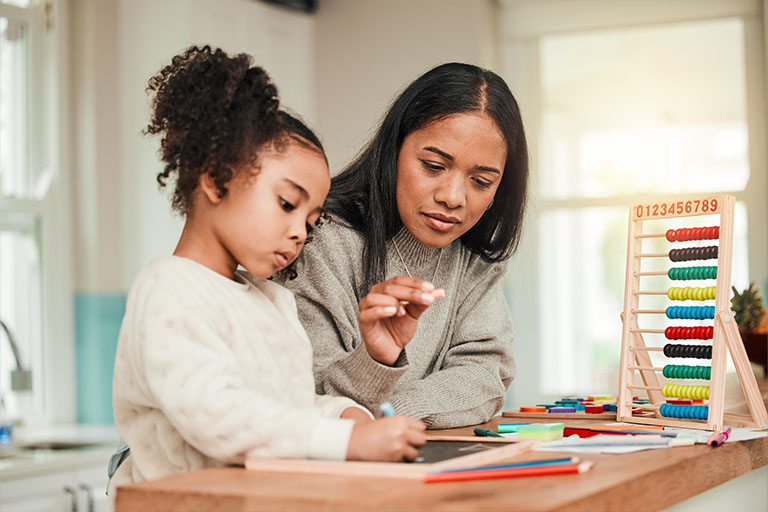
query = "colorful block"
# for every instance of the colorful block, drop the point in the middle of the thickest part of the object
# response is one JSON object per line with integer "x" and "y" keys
{"x": 543, "y": 431}
{"x": 506, "y": 428}
{"x": 562, "y": 409}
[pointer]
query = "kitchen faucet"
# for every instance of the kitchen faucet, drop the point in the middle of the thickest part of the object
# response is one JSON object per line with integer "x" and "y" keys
{"x": 21, "y": 379}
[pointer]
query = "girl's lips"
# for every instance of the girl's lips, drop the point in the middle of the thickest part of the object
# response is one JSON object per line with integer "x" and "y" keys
{"x": 440, "y": 224}
{"x": 281, "y": 259}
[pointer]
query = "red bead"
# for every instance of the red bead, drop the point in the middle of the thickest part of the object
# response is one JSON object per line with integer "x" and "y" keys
{"x": 671, "y": 235}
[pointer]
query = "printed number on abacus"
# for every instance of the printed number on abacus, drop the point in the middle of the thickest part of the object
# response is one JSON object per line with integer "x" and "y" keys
{"x": 677, "y": 208}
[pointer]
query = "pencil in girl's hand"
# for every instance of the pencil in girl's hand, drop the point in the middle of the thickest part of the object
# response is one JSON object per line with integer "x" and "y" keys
{"x": 387, "y": 409}
{"x": 581, "y": 467}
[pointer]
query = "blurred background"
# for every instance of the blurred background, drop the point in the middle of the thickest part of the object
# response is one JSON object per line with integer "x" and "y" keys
{"x": 622, "y": 101}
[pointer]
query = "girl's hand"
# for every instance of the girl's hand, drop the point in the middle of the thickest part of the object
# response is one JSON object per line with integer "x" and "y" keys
{"x": 353, "y": 413}
{"x": 390, "y": 313}
{"x": 393, "y": 439}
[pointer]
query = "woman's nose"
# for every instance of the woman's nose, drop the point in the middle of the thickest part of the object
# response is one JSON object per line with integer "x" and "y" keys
{"x": 451, "y": 192}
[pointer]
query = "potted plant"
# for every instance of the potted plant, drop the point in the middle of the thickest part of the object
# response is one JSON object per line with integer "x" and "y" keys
{"x": 752, "y": 319}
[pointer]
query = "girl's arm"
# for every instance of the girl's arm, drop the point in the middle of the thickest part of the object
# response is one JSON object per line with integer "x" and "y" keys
{"x": 178, "y": 361}
{"x": 200, "y": 388}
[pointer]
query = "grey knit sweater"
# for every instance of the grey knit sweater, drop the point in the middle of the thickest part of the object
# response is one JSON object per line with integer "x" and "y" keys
{"x": 459, "y": 364}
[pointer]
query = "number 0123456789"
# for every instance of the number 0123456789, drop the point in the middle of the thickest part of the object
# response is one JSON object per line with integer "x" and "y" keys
{"x": 662, "y": 209}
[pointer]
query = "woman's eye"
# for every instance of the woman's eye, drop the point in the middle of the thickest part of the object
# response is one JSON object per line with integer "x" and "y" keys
{"x": 285, "y": 205}
{"x": 481, "y": 183}
{"x": 432, "y": 167}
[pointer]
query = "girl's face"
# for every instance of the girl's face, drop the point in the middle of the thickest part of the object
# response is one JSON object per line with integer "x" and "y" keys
{"x": 447, "y": 174}
{"x": 262, "y": 221}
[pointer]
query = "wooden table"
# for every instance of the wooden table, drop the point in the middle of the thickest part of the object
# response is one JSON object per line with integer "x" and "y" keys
{"x": 647, "y": 480}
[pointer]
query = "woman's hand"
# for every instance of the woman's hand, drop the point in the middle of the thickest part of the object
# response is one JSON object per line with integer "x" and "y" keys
{"x": 390, "y": 313}
{"x": 392, "y": 439}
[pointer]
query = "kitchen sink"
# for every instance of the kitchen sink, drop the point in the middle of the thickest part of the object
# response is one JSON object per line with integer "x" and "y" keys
{"x": 56, "y": 445}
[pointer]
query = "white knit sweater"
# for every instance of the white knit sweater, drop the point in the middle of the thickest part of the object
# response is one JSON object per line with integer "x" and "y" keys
{"x": 210, "y": 371}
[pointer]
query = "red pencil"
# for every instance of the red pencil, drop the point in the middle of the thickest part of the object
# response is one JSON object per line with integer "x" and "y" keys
{"x": 508, "y": 472}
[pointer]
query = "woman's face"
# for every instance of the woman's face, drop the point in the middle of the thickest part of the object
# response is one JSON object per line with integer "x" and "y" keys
{"x": 447, "y": 174}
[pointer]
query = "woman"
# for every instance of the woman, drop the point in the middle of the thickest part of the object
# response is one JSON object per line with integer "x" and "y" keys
{"x": 436, "y": 199}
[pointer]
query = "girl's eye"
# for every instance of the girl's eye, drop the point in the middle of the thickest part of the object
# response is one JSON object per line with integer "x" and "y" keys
{"x": 481, "y": 183}
{"x": 285, "y": 205}
{"x": 432, "y": 167}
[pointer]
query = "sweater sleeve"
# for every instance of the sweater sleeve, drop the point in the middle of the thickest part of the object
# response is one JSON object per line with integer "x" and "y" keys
{"x": 328, "y": 309}
{"x": 470, "y": 386}
{"x": 200, "y": 388}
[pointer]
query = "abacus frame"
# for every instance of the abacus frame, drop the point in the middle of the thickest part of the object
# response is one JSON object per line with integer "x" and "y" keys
{"x": 635, "y": 353}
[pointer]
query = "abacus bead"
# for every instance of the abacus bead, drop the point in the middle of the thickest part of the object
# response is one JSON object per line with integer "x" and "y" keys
{"x": 671, "y": 235}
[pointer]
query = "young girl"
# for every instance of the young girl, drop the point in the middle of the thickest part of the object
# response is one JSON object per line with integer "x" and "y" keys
{"x": 213, "y": 365}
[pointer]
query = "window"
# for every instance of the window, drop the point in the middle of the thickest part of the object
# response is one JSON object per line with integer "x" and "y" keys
{"x": 617, "y": 109}
{"x": 32, "y": 221}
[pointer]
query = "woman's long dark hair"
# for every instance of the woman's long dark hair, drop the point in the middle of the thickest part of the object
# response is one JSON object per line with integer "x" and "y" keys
{"x": 364, "y": 194}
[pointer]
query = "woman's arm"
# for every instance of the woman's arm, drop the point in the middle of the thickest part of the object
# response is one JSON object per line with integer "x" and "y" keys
{"x": 327, "y": 303}
{"x": 342, "y": 365}
{"x": 471, "y": 384}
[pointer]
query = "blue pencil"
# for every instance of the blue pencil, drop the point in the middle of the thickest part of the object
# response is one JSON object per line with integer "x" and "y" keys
{"x": 387, "y": 410}
{"x": 545, "y": 462}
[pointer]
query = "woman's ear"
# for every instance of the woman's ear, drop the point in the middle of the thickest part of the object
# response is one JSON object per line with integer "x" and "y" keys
{"x": 209, "y": 188}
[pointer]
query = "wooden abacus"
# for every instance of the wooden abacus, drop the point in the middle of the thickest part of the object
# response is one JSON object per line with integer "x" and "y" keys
{"x": 724, "y": 333}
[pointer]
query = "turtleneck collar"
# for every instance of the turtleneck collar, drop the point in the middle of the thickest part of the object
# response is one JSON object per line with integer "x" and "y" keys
{"x": 414, "y": 252}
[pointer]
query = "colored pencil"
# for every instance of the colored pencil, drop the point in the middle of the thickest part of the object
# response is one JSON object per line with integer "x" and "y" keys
{"x": 589, "y": 432}
{"x": 581, "y": 467}
{"x": 719, "y": 437}
{"x": 544, "y": 462}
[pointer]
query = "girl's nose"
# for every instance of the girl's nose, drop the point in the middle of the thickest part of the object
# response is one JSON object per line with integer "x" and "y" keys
{"x": 298, "y": 231}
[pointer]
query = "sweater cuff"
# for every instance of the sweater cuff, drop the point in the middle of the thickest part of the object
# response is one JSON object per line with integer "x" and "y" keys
{"x": 407, "y": 406}
{"x": 330, "y": 439}
{"x": 374, "y": 381}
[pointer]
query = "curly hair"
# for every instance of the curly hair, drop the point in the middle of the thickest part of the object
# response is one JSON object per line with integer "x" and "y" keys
{"x": 214, "y": 112}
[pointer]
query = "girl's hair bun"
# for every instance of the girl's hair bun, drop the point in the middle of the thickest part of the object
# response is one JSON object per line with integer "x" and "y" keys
{"x": 214, "y": 112}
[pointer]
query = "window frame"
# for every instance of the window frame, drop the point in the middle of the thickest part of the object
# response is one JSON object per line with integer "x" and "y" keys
{"x": 522, "y": 24}
{"x": 49, "y": 155}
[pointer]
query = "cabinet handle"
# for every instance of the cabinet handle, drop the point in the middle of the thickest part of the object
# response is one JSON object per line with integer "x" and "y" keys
{"x": 89, "y": 494}
{"x": 72, "y": 497}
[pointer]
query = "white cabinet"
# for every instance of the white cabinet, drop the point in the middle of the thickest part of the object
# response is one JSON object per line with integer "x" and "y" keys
{"x": 37, "y": 494}
{"x": 56, "y": 482}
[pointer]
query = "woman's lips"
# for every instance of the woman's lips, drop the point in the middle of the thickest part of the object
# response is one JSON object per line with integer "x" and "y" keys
{"x": 440, "y": 223}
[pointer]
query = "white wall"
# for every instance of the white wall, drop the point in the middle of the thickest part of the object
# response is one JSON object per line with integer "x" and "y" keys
{"x": 367, "y": 51}
{"x": 122, "y": 220}
{"x": 338, "y": 68}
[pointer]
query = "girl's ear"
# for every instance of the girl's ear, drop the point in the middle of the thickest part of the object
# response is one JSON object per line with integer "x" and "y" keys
{"x": 209, "y": 188}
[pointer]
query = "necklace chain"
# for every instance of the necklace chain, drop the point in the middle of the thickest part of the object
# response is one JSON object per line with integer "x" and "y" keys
{"x": 402, "y": 260}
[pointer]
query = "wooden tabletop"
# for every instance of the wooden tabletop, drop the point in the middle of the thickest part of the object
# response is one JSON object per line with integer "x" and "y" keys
{"x": 658, "y": 478}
